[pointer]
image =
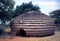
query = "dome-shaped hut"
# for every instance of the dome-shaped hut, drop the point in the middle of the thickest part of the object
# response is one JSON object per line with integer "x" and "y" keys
{"x": 33, "y": 24}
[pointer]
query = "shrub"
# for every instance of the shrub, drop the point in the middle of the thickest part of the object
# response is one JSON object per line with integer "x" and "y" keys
{"x": 1, "y": 31}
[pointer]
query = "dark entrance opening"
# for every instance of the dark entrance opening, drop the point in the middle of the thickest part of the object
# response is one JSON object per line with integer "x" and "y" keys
{"x": 21, "y": 32}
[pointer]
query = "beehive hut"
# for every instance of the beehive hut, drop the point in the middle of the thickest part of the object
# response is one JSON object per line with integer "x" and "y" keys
{"x": 32, "y": 24}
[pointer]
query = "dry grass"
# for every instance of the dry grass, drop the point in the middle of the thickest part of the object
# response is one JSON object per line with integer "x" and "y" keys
{"x": 55, "y": 37}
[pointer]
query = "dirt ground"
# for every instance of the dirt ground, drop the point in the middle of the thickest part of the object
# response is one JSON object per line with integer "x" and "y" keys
{"x": 55, "y": 37}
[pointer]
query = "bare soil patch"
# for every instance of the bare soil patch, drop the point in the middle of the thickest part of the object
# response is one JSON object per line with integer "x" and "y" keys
{"x": 55, "y": 37}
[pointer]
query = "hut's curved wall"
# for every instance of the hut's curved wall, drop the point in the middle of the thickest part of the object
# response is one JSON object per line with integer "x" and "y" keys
{"x": 34, "y": 24}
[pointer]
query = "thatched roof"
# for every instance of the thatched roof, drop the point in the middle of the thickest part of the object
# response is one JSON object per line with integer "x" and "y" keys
{"x": 32, "y": 15}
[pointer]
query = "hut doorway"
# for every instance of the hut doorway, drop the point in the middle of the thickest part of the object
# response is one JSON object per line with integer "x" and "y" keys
{"x": 21, "y": 32}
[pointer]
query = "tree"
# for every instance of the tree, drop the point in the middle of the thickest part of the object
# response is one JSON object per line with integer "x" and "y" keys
{"x": 25, "y": 7}
{"x": 6, "y": 8}
{"x": 56, "y": 16}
